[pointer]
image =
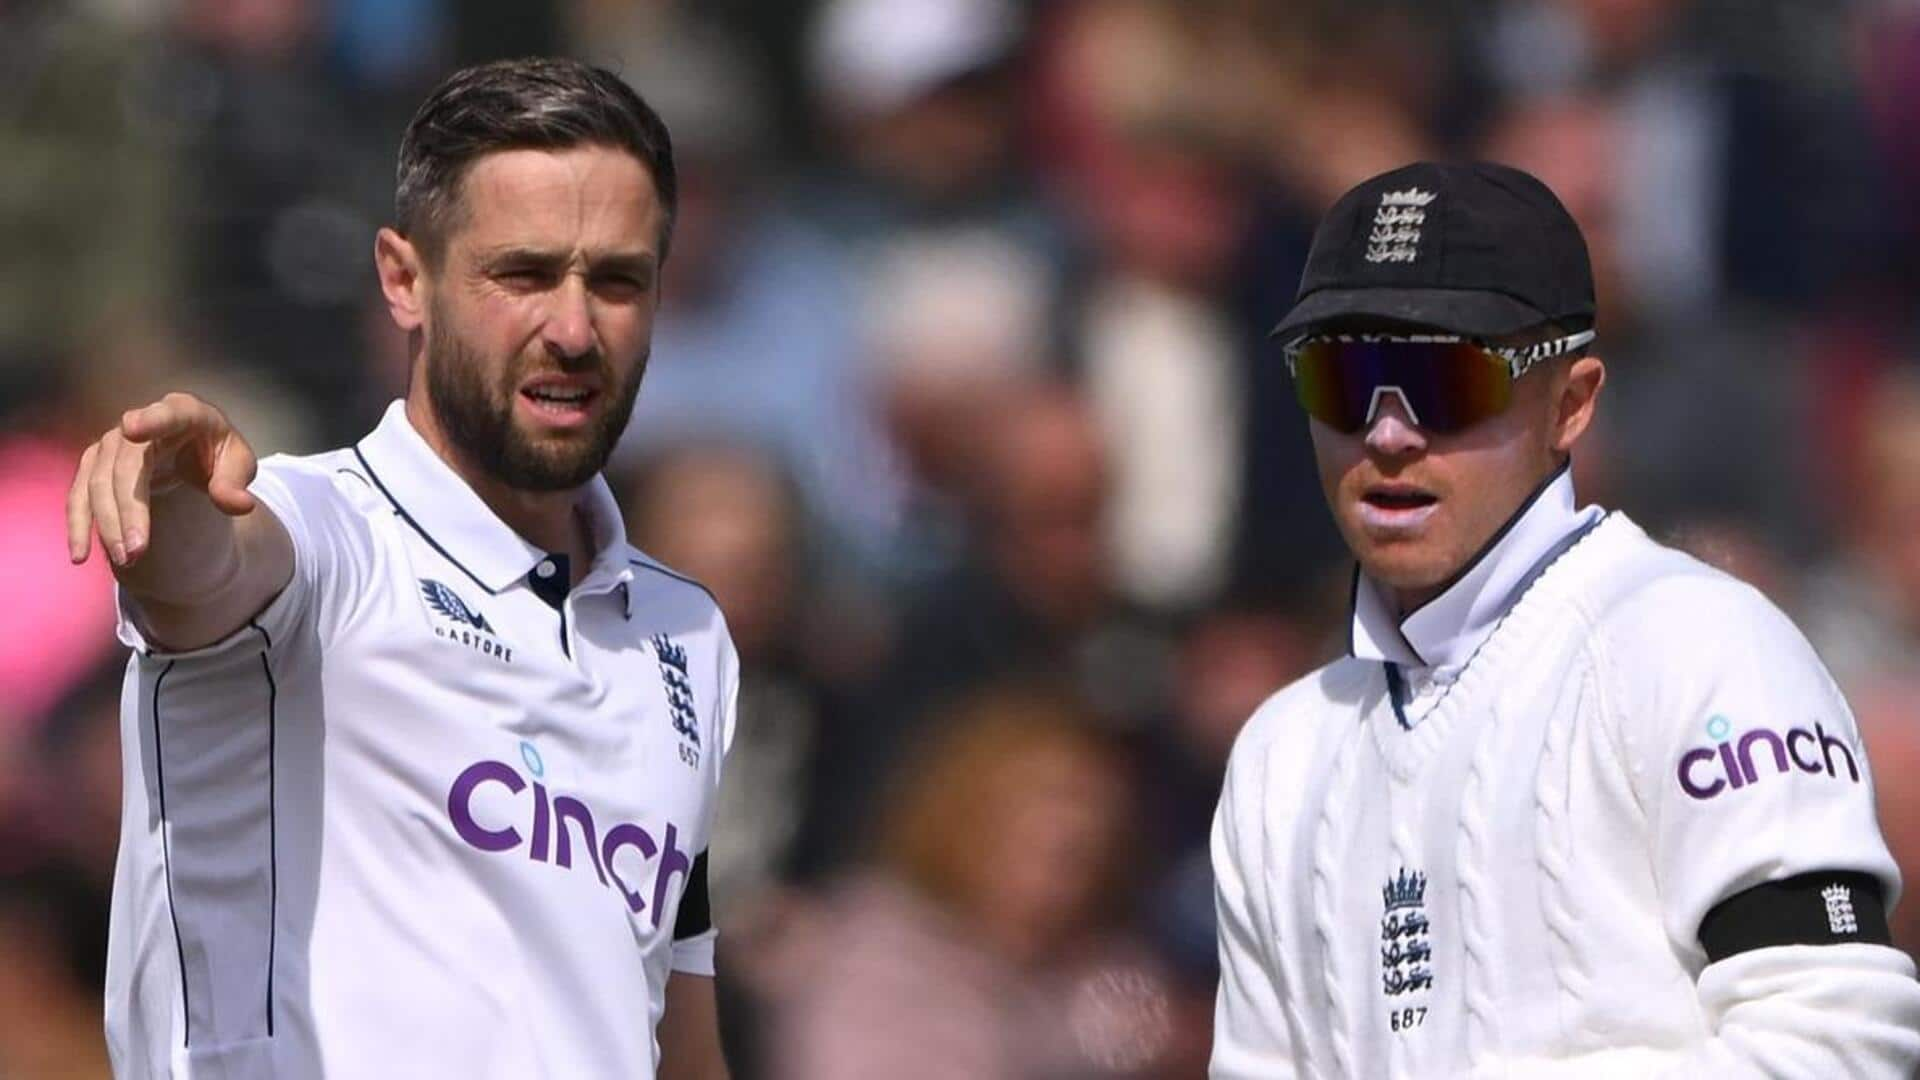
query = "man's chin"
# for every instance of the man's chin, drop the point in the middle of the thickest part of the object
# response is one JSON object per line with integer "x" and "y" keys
{"x": 546, "y": 465}
{"x": 1404, "y": 569}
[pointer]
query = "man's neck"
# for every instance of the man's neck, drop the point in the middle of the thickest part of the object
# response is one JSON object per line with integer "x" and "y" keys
{"x": 1408, "y": 601}
{"x": 1411, "y": 600}
{"x": 547, "y": 519}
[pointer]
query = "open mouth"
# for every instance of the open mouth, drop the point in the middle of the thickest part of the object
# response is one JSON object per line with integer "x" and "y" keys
{"x": 557, "y": 396}
{"x": 560, "y": 400}
{"x": 1399, "y": 499}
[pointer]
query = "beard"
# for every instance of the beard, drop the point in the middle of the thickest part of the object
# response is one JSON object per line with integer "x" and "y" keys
{"x": 477, "y": 416}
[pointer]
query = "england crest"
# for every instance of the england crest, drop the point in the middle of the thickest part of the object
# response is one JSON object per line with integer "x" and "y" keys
{"x": 1397, "y": 222}
{"x": 1406, "y": 954}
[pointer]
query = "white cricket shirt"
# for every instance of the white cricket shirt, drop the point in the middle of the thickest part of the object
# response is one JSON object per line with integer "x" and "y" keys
{"x": 431, "y": 813}
{"x": 1501, "y": 866}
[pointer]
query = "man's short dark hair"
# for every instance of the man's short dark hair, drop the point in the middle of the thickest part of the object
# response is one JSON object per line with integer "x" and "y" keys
{"x": 537, "y": 103}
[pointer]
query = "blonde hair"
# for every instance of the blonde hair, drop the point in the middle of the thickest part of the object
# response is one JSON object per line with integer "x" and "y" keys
{"x": 931, "y": 837}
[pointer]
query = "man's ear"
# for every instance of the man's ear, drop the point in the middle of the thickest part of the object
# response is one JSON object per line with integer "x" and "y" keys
{"x": 1574, "y": 403}
{"x": 403, "y": 278}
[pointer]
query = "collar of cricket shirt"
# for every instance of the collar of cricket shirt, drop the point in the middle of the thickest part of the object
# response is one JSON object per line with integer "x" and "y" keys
{"x": 1445, "y": 631}
{"x": 431, "y": 497}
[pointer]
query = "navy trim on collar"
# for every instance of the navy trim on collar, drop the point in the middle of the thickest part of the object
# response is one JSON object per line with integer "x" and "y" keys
{"x": 374, "y": 475}
{"x": 437, "y": 502}
{"x": 649, "y": 564}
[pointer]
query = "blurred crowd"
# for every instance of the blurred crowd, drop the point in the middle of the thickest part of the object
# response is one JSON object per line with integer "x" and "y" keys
{"x": 962, "y": 404}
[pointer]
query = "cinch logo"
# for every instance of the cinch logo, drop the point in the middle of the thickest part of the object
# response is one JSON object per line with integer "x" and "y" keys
{"x": 1704, "y": 772}
{"x": 557, "y": 820}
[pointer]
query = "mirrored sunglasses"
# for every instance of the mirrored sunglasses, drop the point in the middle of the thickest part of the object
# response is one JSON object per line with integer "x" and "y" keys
{"x": 1446, "y": 383}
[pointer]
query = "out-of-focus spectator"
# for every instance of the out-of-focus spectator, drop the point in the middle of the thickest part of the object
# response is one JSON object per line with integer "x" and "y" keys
{"x": 49, "y": 1018}
{"x": 1686, "y": 383}
{"x": 1228, "y": 661}
{"x": 286, "y": 164}
{"x": 922, "y": 93}
{"x": 1884, "y": 708}
{"x": 983, "y": 943}
{"x": 58, "y": 619}
{"x": 1344, "y": 93}
{"x": 1632, "y": 124}
{"x": 956, "y": 327}
{"x": 1886, "y": 713}
{"x": 964, "y": 262}
{"x": 1863, "y": 609}
{"x": 74, "y": 793}
{"x": 1160, "y": 364}
{"x": 1890, "y": 41}
{"x": 59, "y": 813}
{"x": 1157, "y": 355}
{"x": 88, "y": 192}
{"x": 1033, "y": 597}
{"x": 1741, "y": 166}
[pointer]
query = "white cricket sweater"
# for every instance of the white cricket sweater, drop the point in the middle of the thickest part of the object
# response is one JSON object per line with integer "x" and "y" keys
{"x": 1509, "y": 879}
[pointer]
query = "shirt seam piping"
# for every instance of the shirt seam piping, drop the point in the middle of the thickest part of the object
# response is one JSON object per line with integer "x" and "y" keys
{"x": 166, "y": 860}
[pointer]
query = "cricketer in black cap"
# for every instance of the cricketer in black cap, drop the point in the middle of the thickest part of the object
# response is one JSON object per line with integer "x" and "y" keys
{"x": 1573, "y": 804}
{"x": 1427, "y": 447}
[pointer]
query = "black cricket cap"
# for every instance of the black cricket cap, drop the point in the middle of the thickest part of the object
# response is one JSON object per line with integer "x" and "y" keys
{"x": 1475, "y": 249}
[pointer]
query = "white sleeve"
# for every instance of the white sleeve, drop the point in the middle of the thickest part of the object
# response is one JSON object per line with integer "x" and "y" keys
{"x": 1752, "y": 772}
{"x": 1813, "y": 1011}
{"x": 332, "y": 555}
{"x": 1250, "y": 1037}
{"x": 694, "y": 955}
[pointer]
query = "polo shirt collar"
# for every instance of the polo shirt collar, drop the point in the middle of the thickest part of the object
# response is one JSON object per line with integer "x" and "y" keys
{"x": 1446, "y": 630}
{"x": 434, "y": 499}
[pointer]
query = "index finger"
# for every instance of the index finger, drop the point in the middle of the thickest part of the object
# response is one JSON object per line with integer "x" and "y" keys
{"x": 173, "y": 416}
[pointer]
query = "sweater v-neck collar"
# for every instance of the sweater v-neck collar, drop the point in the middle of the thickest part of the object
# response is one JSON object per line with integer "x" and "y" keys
{"x": 1405, "y": 745}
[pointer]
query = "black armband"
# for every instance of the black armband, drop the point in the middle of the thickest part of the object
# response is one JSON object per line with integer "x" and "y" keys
{"x": 696, "y": 910}
{"x": 1826, "y": 907}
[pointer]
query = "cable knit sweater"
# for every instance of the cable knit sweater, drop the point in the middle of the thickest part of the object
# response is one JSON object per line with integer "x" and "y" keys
{"x": 1500, "y": 867}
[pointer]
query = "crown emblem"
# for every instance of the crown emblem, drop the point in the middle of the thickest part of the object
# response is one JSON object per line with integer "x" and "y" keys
{"x": 1409, "y": 197}
{"x": 1840, "y": 914}
{"x": 1405, "y": 890}
{"x": 1395, "y": 237}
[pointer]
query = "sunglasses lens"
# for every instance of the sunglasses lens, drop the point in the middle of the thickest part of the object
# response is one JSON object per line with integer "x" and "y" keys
{"x": 1449, "y": 386}
{"x": 1332, "y": 392}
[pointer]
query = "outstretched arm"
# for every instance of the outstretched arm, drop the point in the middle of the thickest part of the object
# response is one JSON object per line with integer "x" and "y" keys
{"x": 166, "y": 491}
